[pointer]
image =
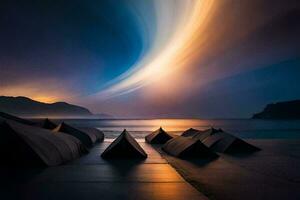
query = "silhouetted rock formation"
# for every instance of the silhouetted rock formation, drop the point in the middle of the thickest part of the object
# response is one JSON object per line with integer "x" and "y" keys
{"x": 47, "y": 124}
{"x": 4, "y": 115}
{"x": 158, "y": 137}
{"x": 124, "y": 146}
{"x": 187, "y": 147}
{"x": 220, "y": 141}
{"x": 281, "y": 110}
{"x": 190, "y": 132}
{"x": 23, "y": 106}
{"x": 87, "y": 138}
{"x": 27, "y": 145}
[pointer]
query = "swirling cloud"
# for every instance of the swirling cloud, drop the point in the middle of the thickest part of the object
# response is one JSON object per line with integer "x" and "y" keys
{"x": 151, "y": 57}
{"x": 178, "y": 26}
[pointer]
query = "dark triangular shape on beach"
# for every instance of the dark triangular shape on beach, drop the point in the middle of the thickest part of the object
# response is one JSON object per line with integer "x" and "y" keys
{"x": 124, "y": 146}
{"x": 158, "y": 137}
{"x": 187, "y": 147}
{"x": 4, "y": 115}
{"x": 220, "y": 141}
{"x": 190, "y": 132}
{"x": 86, "y": 138}
{"x": 35, "y": 146}
{"x": 48, "y": 124}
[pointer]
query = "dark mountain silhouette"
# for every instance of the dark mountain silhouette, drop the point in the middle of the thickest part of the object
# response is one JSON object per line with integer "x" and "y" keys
{"x": 280, "y": 110}
{"x": 26, "y": 107}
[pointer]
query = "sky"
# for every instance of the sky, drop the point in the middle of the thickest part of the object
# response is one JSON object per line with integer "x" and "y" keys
{"x": 152, "y": 58}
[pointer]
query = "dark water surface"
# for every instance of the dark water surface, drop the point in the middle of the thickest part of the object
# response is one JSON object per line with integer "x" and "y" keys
{"x": 244, "y": 128}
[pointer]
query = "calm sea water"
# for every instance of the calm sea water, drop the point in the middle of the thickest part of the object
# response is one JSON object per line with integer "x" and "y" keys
{"x": 246, "y": 128}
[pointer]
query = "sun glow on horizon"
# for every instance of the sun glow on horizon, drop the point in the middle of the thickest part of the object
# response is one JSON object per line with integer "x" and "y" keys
{"x": 45, "y": 99}
{"x": 35, "y": 93}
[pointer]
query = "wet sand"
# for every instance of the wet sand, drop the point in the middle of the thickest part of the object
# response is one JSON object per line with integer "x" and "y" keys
{"x": 273, "y": 173}
{"x": 91, "y": 177}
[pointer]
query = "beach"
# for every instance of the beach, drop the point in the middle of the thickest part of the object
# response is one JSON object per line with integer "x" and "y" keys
{"x": 91, "y": 177}
{"x": 272, "y": 173}
{"x": 150, "y": 100}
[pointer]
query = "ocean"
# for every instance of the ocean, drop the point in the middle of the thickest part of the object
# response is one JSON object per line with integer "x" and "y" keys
{"x": 244, "y": 128}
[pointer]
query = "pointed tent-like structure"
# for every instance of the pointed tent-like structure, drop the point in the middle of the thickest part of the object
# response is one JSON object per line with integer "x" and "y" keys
{"x": 220, "y": 141}
{"x": 190, "y": 132}
{"x": 34, "y": 146}
{"x": 124, "y": 146}
{"x": 187, "y": 147}
{"x": 159, "y": 136}
{"x": 88, "y": 139}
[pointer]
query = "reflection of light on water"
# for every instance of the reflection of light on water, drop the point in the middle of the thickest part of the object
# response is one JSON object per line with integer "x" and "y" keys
{"x": 139, "y": 138}
{"x": 151, "y": 125}
{"x": 140, "y": 128}
{"x": 244, "y": 128}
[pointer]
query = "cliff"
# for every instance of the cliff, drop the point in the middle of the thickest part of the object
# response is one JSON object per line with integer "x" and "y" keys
{"x": 280, "y": 110}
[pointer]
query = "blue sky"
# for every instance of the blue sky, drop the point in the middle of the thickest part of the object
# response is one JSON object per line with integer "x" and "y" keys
{"x": 152, "y": 58}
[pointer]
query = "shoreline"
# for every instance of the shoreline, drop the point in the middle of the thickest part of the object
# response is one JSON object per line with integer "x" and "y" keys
{"x": 92, "y": 177}
{"x": 257, "y": 176}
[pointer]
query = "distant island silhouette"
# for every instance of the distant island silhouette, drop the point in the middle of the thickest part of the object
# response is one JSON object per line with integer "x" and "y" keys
{"x": 280, "y": 110}
{"x": 26, "y": 107}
